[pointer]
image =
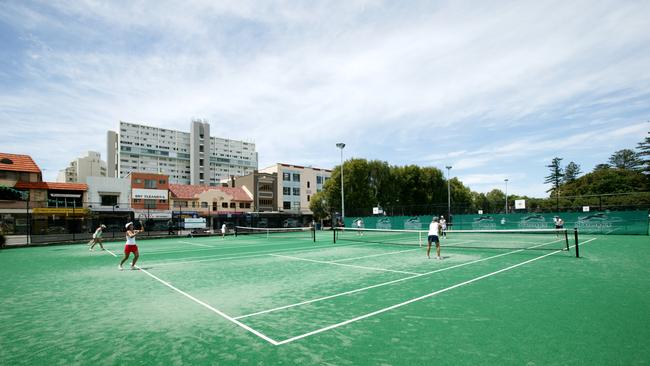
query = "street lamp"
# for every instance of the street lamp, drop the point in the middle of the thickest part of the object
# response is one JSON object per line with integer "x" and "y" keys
{"x": 341, "y": 145}
{"x": 448, "y": 193}
{"x": 506, "y": 180}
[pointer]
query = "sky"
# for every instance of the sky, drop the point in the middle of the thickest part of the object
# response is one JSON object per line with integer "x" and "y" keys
{"x": 495, "y": 89}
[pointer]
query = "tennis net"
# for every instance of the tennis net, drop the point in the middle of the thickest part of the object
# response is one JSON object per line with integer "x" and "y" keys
{"x": 528, "y": 239}
{"x": 277, "y": 233}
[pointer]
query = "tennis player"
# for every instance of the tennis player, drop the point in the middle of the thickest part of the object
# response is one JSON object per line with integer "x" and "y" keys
{"x": 223, "y": 231}
{"x": 443, "y": 226}
{"x": 434, "y": 230}
{"x": 97, "y": 237}
{"x": 130, "y": 246}
{"x": 559, "y": 224}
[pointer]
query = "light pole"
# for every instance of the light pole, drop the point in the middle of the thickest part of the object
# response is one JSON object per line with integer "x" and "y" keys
{"x": 341, "y": 145}
{"x": 448, "y": 193}
{"x": 506, "y": 180}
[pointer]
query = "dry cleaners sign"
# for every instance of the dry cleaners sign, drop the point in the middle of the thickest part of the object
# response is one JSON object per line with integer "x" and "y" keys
{"x": 144, "y": 194}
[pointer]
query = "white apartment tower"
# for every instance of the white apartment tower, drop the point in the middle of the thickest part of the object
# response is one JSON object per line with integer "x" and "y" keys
{"x": 187, "y": 158}
{"x": 79, "y": 169}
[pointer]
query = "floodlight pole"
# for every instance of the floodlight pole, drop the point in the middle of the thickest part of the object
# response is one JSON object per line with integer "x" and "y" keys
{"x": 506, "y": 180}
{"x": 341, "y": 145}
{"x": 448, "y": 193}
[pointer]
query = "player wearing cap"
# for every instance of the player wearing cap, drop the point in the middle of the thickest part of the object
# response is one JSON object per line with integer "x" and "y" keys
{"x": 434, "y": 230}
{"x": 130, "y": 246}
{"x": 97, "y": 237}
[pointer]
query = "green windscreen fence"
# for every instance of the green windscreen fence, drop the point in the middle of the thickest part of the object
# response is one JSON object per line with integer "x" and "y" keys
{"x": 605, "y": 222}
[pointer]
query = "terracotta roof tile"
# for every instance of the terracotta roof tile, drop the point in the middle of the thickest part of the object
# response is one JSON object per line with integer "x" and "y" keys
{"x": 18, "y": 163}
{"x": 184, "y": 191}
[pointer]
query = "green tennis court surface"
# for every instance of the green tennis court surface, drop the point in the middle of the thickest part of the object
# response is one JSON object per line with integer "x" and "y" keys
{"x": 288, "y": 300}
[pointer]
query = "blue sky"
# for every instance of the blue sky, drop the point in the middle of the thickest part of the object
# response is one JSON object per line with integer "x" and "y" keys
{"x": 495, "y": 89}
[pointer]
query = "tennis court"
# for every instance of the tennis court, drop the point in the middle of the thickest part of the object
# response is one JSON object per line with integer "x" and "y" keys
{"x": 285, "y": 299}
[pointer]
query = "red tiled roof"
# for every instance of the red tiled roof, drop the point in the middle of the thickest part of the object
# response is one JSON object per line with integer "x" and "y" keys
{"x": 52, "y": 186}
{"x": 184, "y": 191}
{"x": 19, "y": 163}
{"x": 187, "y": 191}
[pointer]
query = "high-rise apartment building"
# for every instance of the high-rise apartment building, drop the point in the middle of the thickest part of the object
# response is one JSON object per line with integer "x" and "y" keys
{"x": 187, "y": 158}
{"x": 79, "y": 169}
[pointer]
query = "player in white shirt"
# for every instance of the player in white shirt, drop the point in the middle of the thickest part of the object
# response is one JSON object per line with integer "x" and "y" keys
{"x": 443, "y": 225}
{"x": 223, "y": 231}
{"x": 97, "y": 237}
{"x": 434, "y": 231}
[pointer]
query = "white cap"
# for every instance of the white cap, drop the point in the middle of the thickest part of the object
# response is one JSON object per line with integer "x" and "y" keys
{"x": 127, "y": 225}
{"x": 103, "y": 226}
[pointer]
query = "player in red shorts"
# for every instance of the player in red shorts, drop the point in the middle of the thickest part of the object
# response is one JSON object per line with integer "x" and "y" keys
{"x": 130, "y": 246}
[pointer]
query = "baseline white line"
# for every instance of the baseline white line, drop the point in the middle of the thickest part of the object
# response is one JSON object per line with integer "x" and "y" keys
{"x": 207, "y": 306}
{"x": 333, "y": 326}
{"x": 342, "y": 264}
{"x": 380, "y": 284}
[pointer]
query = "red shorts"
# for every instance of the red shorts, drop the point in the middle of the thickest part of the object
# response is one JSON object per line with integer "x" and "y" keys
{"x": 130, "y": 249}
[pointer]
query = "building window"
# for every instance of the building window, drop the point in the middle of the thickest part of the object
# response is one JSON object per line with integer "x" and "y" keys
{"x": 149, "y": 203}
{"x": 296, "y": 191}
{"x": 109, "y": 200}
{"x": 296, "y": 177}
{"x": 224, "y": 204}
{"x": 162, "y": 181}
{"x": 319, "y": 180}
{"x": 286, "y": 177}
{"x": 248, "y": 205}
{"x": 308, "y": 184}
{"x": 308, "y": 197}
{"x": 138, "y": 181}
{"x": 200, "y": 162}
{"x": 201, "y": 176}
{"x": 214, "y": 206}
{"x": 286, "y": 191}
{"x": 233, "y": 205}
{"x": 162, "y": 201}
{"x": 136, "y": 200}
{"x": 286, "y": 205}
{"x": 204, "y": 205}
{"x": 242, "y": 205}
{"x": 150, "y": 183}
{"x": 200, "y": 148}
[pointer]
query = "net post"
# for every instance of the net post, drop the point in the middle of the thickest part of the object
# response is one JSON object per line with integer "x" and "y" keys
{"x": 566, "y": 239}
{"x": 235, "y": 231}
{"x": 334, "y": 234}
{"x": 313, "y": 232}
{"x": 575, "y": 234}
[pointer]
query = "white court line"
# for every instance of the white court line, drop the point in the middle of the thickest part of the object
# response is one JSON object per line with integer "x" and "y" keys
{"x": 374, "y": 255}
{"x": 201, "y": 245}
{"x": 383, "y": 283}
{"x": 333, "y": 326}
{"x": 343, "y": 265}
{"x": 219, "y": 257}
{"x": 208, "y": 306}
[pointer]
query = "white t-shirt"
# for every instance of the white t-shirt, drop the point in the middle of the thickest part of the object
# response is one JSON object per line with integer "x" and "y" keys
{"x": 443, "y": 223}
{"x": 130, "y": 240}
{"x": 223, "y": 228}
{"x": 433, "y": 228}
{"x": 98, "y": 233}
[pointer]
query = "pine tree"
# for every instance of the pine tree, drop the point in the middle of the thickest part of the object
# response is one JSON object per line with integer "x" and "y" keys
{"x": 571, "y": 172}
{"x": 644, "y": 153}
{"x": 555, "y": 178}
{"x": 626, "y": 159}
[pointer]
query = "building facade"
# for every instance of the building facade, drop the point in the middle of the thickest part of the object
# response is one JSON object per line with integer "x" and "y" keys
{"x": 296, "y": 184}
{"x": 150, "y": 196}
{"x": 79, "y": 169}
{"x": 218, "y": 205}
{"x": 263, "y": 188}
{"x": 187, "y": 158}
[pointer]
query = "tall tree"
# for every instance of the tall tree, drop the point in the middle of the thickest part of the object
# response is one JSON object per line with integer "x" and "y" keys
{"x": 644, "y": 153}
{"x": 571, "y": 172}
{"x": 555, "y": 178}
{"x": 626, "y": 159}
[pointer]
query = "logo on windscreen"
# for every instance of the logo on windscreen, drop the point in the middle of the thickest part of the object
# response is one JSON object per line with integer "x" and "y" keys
{"x": 413, "y": 223}
{"x": 384, "y": 223}
{"x": 533, "y": 222}
{"x": 484, "y": 222}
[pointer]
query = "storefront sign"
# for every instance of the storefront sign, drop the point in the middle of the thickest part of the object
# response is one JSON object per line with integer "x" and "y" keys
{"x": 155, "y": 194}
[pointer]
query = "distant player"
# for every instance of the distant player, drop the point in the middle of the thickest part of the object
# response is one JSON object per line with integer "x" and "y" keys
{"x": 130, "y": 246}
{"x": 443, "y": 226}
{"x": 97, "y": 237}
{"x": 559, "y": 224}
{"x": 434, "y": 231}
{"x": 223, "y": 231}
{"x": 359, "y": 227}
